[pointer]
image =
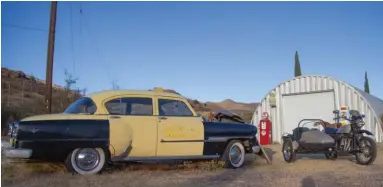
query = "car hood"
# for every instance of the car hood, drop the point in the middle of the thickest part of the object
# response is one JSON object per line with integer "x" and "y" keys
{"x": 229, "y": 129}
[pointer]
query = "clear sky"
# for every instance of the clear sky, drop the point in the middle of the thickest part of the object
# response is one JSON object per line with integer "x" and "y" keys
{"x": 190, "y": 46}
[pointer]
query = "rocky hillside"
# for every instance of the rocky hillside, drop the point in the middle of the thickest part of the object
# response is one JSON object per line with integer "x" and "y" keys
{"x": 243, "y": 109}
{"x": 23, "y": 95}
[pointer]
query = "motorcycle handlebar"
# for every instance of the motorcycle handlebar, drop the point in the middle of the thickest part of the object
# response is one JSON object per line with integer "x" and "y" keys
{"x": 348, "y": 119}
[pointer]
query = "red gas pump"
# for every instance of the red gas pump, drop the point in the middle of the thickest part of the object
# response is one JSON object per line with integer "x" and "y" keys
{"x": 265, "y": 129}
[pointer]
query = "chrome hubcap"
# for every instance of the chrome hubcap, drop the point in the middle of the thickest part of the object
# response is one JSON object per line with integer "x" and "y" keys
{"x": 235, "y": 155}
{"x": 87, "y": 159}
{"x": 286, "y": 152}
{"x": 365, "y": 148}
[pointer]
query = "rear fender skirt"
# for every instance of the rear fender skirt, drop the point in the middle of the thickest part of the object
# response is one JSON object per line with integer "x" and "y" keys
{"x": 55, "y": 139}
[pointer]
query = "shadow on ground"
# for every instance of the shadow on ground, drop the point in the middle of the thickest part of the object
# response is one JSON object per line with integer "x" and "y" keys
{"x": 233, "y": 177}
{"x": 250, "y": 159}
{"x": 308, "y": 182}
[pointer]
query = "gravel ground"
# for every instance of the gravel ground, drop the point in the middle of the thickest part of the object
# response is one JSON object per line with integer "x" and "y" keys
{"x": 307, "y": 172}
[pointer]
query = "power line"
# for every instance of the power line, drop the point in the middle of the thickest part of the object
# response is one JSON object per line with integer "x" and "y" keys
{"x": 94, "y": 41}
{"x": 72, "y": 38}
{"x": 22, "y": 27}
{"x": 80, "y": 19}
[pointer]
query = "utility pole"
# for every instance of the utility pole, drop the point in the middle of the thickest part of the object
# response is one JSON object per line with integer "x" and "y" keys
{"x": 9, "y": 93}
{"x": 22, "y": 93}
{"x": 51, "y": 46}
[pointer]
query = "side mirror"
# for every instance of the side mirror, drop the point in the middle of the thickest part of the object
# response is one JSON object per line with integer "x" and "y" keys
{"x": 335, "y": 112}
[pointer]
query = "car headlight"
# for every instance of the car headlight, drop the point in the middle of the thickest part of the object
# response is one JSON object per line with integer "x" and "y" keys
{"x": 12, "y": 129}
{"x": 360, "y": 123}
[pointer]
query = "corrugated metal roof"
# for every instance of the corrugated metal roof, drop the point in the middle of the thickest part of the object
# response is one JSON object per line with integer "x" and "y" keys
{"x": 375, "y": 103}
{"x": 346, "y": 94}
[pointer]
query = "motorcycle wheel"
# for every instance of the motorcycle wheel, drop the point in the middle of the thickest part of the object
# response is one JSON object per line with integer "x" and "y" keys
{"x": 331, "y": 156}
{"x": 371, "y": 153}
{"x": 288, "y": 152}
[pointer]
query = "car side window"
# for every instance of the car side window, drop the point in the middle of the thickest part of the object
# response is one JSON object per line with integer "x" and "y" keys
{"x": 169, "y": 107}
{"x": 130, "y": 106}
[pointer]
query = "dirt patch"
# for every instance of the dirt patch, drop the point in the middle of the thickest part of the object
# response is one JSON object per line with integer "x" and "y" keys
{"x": 308, "y": 171}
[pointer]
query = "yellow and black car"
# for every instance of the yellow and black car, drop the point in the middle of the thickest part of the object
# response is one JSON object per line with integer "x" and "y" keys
{"x": 128, "y": 125}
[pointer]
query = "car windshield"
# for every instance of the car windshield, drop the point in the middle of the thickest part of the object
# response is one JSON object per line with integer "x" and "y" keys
{"x": 84, "y": 105}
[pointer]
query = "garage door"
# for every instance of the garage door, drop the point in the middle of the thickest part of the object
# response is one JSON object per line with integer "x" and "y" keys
{"x": 311, "y": 105}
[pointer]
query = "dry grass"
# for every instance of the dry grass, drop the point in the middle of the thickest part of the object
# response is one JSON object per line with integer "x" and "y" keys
{"x": 21, "y": 171}
{"x": 304, "y": 172}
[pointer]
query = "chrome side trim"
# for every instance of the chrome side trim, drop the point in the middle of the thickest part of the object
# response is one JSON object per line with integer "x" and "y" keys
{"x": 180, "y": 141}
{"x": 210, "y": 139}
{"x": 155, "y": 158}
{"x": 224, "y": 139}
{"x": 64, "y": 140}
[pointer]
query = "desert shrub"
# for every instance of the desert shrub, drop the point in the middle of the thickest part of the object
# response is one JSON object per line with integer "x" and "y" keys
{"x": 195, "y": 102}
{"x": 5, "y": 114}
{"x": 27, "y": 95}
{"x": 8, "y": 115}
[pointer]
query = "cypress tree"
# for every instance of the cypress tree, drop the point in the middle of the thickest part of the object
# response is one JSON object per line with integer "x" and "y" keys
{"x": 366, "y": 85}
{"x": 297, "y": 68}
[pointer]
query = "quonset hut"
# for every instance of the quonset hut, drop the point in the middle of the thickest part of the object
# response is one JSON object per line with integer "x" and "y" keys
{"x": 316, "y": 96}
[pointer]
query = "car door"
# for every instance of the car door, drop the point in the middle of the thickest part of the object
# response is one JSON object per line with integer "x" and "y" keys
{"x": 180, "y": 130}
{"x": 133, "y": 127}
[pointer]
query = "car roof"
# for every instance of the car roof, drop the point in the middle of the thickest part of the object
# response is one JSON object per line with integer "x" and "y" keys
{"x": 101, "y": 95}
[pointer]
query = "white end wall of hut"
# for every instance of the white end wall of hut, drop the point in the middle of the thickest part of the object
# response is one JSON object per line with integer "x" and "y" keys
{"x": 345, "y": 95}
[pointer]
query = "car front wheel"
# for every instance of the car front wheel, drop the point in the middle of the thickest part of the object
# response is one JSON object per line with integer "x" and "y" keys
{"x": 234, "y": 155}
{"x": 86, "y": 161}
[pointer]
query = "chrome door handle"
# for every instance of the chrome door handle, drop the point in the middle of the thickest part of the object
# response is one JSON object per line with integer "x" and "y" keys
{"x": 115, "y": 117}
{"x": 162, "y": 118}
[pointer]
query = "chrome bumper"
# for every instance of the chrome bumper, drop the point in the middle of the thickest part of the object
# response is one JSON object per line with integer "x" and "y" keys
{"x": 5, "y": 144}
{"x": 256, "y": 148}
{"x": 10, "y": 152}
{"x": 17, "y": 153}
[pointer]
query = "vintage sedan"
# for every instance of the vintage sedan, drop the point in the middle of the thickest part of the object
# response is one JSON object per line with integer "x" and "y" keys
{"x": 125, "y": 126}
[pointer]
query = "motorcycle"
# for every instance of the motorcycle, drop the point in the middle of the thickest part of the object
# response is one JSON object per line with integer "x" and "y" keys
{"x": 348, "y": 138}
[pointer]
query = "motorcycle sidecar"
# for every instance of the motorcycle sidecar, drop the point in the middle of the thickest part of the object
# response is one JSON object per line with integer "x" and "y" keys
{"x": 304, "y": 140}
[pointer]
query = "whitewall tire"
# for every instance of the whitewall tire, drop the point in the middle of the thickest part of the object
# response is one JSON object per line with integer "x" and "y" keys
{"x": 86, "y": 161}
{"x": 234, "y": 155}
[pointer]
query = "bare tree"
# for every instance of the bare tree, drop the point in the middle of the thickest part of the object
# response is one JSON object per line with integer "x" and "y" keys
{"x": 69, "y": 80}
